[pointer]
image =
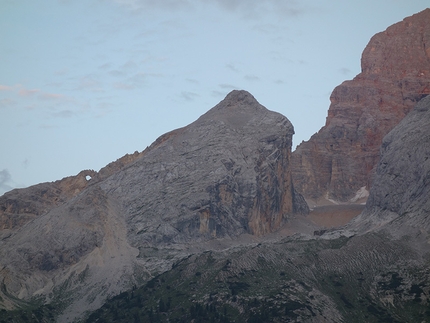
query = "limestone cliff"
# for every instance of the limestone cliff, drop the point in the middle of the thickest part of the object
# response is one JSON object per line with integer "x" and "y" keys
{"x": 340, "y": 159}
{"x": 226, "y": 173}
{"x": 80, "y": 241}
{"x": 401, "y": 191}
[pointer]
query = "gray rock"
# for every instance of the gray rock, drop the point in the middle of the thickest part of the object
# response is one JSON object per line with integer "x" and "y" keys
{"x": 401, "y": 188}
{"x": 226, "y": 174}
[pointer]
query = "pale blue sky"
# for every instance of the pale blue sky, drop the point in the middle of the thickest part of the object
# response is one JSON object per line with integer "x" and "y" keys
{"x": 83, "y": 82}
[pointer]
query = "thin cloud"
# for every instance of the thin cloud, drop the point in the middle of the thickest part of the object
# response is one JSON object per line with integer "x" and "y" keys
{"x": 246, "y": 8}
{"x": 189, "y": 96}
{"x": 218, "y": 94}
{"x": 21, "y": 92}
{"x": 345, "y": 71}
{"x": 51, "y": 96}
{"x": 227, "y": 86}
{"x": 193, "y": 81}
{"x": 253, "y": 9}
{"x": 232, "y": 67}
{"x": 27, "y": 93}
{"x": 171, "y": 5}
{"x": 5, "y": 88}
{"x": 64, "y": 114}
{"x": 25, "y": 163}
{"x": 252, "y": 78}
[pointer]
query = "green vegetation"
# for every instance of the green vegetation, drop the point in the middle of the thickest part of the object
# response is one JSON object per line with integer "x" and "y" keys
{"x": 282, "y": 282}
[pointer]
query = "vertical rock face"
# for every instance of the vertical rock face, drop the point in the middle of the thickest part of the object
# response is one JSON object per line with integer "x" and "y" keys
{"x": 402, "y": 181}
{"x": 226, "y": 174}
{"x": 340, "y": 159}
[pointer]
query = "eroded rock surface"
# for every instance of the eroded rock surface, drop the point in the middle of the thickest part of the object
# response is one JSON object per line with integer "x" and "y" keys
{"x": 401, "y": 190}
{"x": 19, "y": 206}
{"x": 226, "y": 174}
{"x": 340, "y": 159}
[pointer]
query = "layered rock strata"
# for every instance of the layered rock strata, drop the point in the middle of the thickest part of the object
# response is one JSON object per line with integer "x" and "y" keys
{"x": 401, "y": 191}
{"x": 340, "y": 159}
{"x": 226, "y": 174}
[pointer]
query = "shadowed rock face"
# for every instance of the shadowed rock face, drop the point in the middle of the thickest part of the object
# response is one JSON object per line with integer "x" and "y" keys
{"x": 375, "y": 269}
{"x": 401, "y": 190}
{"x": 340, "y": 159}
{"x": 226, "y": 174}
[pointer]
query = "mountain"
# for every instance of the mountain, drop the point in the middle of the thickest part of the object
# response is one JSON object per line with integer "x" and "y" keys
{"x": 21, "y": 206}
{"x": 205, "y": 225}
{"x": 339, "y": 161}
{"x": 375, "y": 269}
{"x": 401, "y": 191}
{"x": 77, "y": 241}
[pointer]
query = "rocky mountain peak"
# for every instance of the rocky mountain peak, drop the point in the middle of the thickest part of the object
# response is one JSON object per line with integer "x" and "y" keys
{"x": 239, "y": 97}
{"x": 339, "y": 161}
{"x": 401, "y": 49}
{"x": 228, "y": 174}
{"x": 239, "y": 109}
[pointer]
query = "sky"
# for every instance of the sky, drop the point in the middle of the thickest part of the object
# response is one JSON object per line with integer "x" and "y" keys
{"x": 84, "y": 82}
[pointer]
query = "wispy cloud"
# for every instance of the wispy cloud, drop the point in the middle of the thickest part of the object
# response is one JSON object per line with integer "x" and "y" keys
{"x": 171, "y": 5}
{"x": 193, "y": 81}
{"x": 232, "y": 67}
{"x": 22, "y": 92}
{"x": 227, "y": 86}
{"x": 51, "y": 96}
{"x": 256, "y": 8}
{"x": 252, "y": 78}
{"x": 5, "y": 88}
{"x": 27, "y": 92}
{"x": 345, "y": 71}
{"x": 105, "y": 66}
{"x": 63, "y": 114}
{"x": 188, "y": 96}
{"x": 246, "y": 8}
